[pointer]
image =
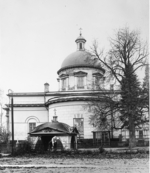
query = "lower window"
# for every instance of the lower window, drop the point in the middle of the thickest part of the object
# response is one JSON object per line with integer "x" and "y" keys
{"x": 32, "y": 126}
{"x": 78, "y": 123}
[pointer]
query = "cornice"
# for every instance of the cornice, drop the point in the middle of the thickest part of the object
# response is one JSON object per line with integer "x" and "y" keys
{"x": 26, "y": 105}
{"x": 81, "y": 66}
{"x": 64, "y": 76}
{"x": 62, "y": 93}
{"x": 97, "y": 74}
{"x": 73, "y": 98}
{"x": 80, "y": 73}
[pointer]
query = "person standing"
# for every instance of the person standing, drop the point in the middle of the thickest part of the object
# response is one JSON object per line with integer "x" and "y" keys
{"x": 54, "y": 143}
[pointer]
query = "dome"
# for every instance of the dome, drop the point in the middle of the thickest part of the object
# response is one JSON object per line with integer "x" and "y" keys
{"x": 77, "y": 58}
{"x": 80, "y": 58}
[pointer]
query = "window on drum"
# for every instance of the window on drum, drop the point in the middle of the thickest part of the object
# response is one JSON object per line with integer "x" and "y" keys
{"x": 63, "y": 84}
{"x": 80, "y": 82}
{"x": 80, "y": 46}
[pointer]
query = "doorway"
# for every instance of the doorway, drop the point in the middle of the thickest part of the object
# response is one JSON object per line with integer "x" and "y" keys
{"x": 45, "y": 141}
{"x": 106, "y": 138}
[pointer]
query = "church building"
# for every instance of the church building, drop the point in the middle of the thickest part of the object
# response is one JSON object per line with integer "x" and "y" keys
{"x": 77, "y": 78}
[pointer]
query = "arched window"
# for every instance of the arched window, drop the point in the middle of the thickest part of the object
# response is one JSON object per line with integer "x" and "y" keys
{"x": 32, "y": 121}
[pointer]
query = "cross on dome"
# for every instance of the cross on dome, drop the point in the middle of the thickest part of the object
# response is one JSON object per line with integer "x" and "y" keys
{"x": 54, "y": 112}
{"x": 80, "y": 31}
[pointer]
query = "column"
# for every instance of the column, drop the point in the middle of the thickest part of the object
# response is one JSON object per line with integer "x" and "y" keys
{"x": 103, "y": 82}
{"x": 67, "y": 83}
{"x": 93, "y": 82}
{"x": 58, "y": 84}
{"x": 75, "y": 83}
{"x": 85, "y": 82}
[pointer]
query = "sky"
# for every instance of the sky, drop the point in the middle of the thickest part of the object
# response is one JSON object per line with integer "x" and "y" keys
{"x": 37, "y": 35}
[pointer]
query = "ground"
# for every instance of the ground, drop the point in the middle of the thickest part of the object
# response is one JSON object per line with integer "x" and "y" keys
{"x": 76, "y": 163}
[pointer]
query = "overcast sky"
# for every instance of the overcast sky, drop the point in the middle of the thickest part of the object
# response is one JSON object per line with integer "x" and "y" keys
{"x": 37, "y": 35}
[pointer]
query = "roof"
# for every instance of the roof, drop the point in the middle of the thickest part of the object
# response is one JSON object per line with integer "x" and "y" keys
{"x": 73, "y": 98}
{"x": 80, "y": 58}
{"x": 62, "y": 127}
{"x": 58, "y": 93}
{"x": 62, "y": 96}
{"x": 52, "y": 128}
{"x": 51, "y": 134}
{"x": 80, "y": 38}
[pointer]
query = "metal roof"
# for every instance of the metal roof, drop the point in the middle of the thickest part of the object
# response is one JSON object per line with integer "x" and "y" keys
{"x": 81, "y": 58}
{"x": 52, "y": 128}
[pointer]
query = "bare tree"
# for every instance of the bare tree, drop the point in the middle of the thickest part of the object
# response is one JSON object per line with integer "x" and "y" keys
{"x": 4, "y": 136}
{"x": 126, "y": 56}
{"x": 104, "y": 110}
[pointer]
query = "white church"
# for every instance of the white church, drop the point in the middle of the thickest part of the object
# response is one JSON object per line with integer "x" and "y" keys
{"x": 76, "y": 79}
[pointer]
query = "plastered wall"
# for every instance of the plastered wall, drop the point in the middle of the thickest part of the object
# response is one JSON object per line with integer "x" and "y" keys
{"x": 66, "y": 111}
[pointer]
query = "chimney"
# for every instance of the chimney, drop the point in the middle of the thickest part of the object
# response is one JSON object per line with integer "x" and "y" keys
{"x": 46, "y": 87}
{"x": 54, "y": 117}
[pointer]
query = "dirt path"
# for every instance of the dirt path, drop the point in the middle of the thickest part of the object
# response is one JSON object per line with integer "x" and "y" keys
{"x": 73, "y": 165}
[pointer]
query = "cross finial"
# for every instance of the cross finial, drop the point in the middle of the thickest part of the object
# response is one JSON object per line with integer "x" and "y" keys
{"x": 80, "y": 31}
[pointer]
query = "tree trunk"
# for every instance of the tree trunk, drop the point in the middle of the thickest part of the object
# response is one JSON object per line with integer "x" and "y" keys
{"x": 111, "y": 121}
{"x": 132, "y": 140}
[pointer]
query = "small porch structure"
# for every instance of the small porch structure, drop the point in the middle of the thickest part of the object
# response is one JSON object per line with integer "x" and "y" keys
{"x": 66, "y": 134}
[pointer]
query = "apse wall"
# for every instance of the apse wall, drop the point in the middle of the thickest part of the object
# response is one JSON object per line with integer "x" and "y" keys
{"x": 66, "y": 112}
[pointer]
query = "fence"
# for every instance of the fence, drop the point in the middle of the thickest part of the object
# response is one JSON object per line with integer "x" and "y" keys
{"x": 27, "y": 147}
